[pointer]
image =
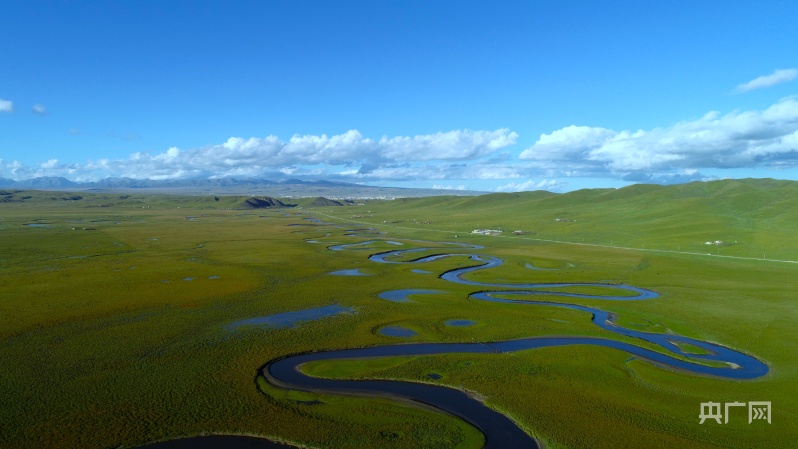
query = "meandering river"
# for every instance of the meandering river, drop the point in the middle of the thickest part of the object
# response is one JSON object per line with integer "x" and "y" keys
{"x": 500, "y": 431}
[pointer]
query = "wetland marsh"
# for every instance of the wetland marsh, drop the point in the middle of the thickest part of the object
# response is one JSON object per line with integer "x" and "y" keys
{"x": 499, "y": 431}
{"x": 103, "y": 353}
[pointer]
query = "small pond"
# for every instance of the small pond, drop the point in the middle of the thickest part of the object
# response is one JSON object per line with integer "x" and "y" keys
{"x": 398, "y": 331}
{"x": 403, "y": 295}
{"x": 354, "y": 272}
{"x": 460, "y": 323}
{"x": 292, "y": 319}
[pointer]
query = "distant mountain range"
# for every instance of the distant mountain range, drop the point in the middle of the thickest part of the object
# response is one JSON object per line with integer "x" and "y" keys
{"x": 229, "y": 186}
{"x": 51, "y": 182}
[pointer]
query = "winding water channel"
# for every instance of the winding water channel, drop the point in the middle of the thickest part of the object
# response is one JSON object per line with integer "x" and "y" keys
{"x": 500, "y": 431}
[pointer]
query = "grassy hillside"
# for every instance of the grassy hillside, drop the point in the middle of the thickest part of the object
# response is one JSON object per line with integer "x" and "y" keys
{"x": 751, "y": 217}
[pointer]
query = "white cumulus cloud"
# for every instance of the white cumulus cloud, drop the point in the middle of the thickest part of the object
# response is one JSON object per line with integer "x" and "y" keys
{"x": 547, "y": 184}
{"x": 6, "y": 105}
{"x": 668, "y": 178}
{"x": 740, "y": 139}
{"x": 39, "y": 109}
{"x": 351, "y": 155}
{"x": 448, "y": 187}
{"x": 777, "y": 77}
{"x": 52, "y": 163}
{"x": 452, "y": 145}
{"x": 568, "y": 143}
{"x": 349, "y": 149}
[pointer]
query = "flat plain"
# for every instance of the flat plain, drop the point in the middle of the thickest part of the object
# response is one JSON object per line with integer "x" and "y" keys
{"x": 117, "y": 311}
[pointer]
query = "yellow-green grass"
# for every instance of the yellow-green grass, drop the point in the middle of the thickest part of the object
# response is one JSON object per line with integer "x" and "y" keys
{"x": 99, "y": 354}
{"x": 97, "y": 359}
{"x": 690, "y": 348}
{"x": 753, "y": 218}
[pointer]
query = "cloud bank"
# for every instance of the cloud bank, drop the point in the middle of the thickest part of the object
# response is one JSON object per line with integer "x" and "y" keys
{"x": 357, "y": 155}
{"x": 777, "y": 77}
{"x": 349, "y": 155}
{"x": 765, "y": 138}
{"x": 549, "y": 184}
{"x": 747, "y": 139}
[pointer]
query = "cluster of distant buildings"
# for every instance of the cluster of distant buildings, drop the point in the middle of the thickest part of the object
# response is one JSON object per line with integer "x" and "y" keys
{"x": 721, "y": 243}
{"x": 486, "y": 231}
{"x": 496, "y": 232}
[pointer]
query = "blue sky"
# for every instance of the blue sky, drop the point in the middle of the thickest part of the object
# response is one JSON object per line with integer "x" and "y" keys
{"x": 497, "y": 96}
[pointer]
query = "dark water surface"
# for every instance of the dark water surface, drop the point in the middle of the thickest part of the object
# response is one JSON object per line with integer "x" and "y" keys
{"x": 350, "y": 272}
{"x": 403, "y": 295}
{"x": 397, "y": 331}
{"x": 460, "y": 323}
{"x": 291, "y": 319}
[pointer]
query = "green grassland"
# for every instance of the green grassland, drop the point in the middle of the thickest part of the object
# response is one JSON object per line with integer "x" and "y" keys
{"x": 752, "y": 217}
{"x": 113, "y": 317}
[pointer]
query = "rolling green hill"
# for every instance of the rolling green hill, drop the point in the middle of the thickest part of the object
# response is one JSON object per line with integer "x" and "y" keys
{"x": 751, "y": 217}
